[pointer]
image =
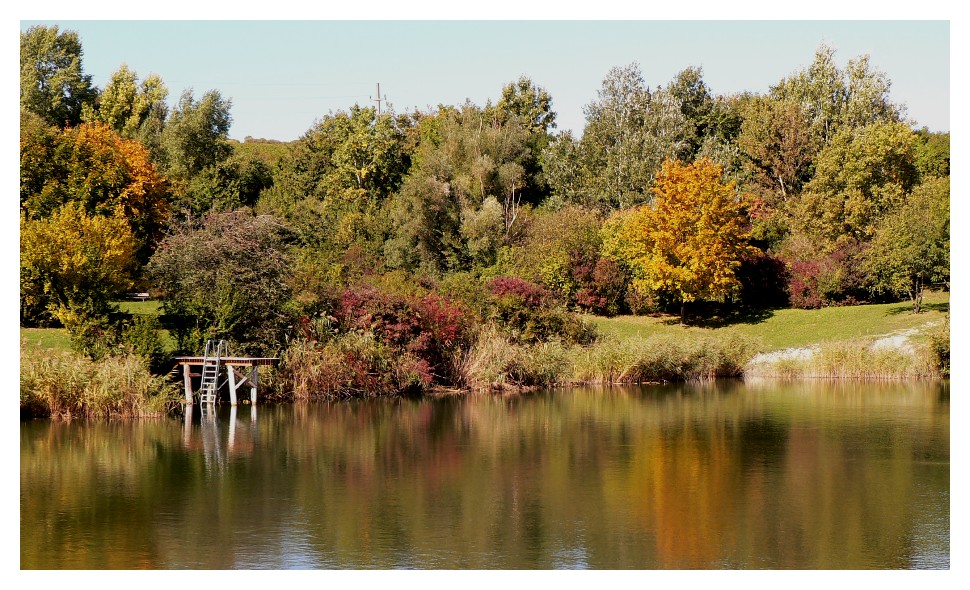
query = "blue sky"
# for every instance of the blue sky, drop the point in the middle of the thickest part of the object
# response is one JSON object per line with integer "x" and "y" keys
{"x": 283, "y": 75}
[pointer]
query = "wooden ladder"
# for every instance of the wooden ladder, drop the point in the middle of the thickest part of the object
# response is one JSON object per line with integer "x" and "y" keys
{"x": 211, "y": 364}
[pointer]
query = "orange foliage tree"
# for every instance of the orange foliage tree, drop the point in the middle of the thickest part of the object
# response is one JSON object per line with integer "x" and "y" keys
{"x": 93, "y": 166}
{"x": 690, "y": 241}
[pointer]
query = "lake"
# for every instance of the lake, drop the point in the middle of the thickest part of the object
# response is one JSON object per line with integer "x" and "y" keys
{"x": 768, "y": 475}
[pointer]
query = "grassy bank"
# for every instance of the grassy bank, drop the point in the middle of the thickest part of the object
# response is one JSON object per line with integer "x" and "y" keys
{"x": 861, "y": 342}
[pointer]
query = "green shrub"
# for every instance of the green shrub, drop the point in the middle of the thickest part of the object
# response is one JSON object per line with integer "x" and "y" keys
{"x": 141, "y": 335}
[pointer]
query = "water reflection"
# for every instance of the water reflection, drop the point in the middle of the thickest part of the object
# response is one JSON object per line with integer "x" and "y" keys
{"x": 761, "y": 475}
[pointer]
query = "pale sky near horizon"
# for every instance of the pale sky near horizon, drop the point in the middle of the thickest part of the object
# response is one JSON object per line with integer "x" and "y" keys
{"x": 284, "y": 75}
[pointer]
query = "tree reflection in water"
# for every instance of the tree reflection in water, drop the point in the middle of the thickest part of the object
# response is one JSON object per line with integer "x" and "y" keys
{"x": 763, "y": 475}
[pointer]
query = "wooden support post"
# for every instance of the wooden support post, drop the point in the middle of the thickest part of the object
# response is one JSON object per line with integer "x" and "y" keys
{"x": 254, "y": 378}
{"x": 187, "y": 377}
{"x": 232, "y": 383}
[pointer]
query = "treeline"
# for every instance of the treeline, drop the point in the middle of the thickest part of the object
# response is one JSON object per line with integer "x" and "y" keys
{"x": 387, "y": 243}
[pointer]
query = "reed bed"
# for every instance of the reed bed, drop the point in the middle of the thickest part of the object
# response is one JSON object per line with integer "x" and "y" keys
{"x": 66, "y": 385}
{"x": 661, "y": 358}
{"x": 851, "y": 360}
{"x": 495, "y": 363}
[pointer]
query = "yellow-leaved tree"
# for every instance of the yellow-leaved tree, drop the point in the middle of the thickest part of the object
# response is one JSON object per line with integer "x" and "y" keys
{"x": 72, "y": 263}
{"x": 689, "y": 242}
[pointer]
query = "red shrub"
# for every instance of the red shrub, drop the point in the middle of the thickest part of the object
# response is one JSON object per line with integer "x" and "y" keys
{"x": 430, "y": 328}
{"x": 528, "y": 293}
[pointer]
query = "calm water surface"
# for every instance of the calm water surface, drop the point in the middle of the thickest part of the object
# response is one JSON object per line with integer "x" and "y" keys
{"x": 808, "y": 475}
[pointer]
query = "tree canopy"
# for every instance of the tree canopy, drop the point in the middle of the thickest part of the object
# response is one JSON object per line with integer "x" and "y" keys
{"x": 53, "y": 84}
{"x": 691, "y": 240}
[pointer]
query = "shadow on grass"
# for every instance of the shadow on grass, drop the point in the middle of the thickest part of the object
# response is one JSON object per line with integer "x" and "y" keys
{"x": 710, "y": 316}
{"x": 907, "y": 307}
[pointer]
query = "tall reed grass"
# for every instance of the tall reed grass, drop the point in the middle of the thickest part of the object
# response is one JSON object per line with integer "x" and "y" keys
{"x": 856, "y": 359}
{"x": 496, "y": 363}
{"x": 661, "y": 358}
{"x": 70, "y": 386}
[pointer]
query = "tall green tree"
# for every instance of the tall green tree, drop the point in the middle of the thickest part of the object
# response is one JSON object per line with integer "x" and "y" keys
{"x": 467, "y": 160}
{"x": 53, "y": 84}
{"x": 629, "y": 132}
{"x": 193, "y": 145}
{"x": 778, "y": 142}
{"x": 932, "y": 154}
{"x": 136, "y": 110}
{"x": 911, "y": 247}
{"x": 196, "y": 134}
{"x": 861, "y": 175}
{"x": 834, "y": 97}
{"x": 333, "y": 185}
{"x": 523, "y": 98}
{"x": 532, "y": 105}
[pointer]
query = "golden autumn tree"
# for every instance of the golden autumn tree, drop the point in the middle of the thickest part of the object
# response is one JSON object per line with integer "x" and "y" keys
{"x": 690, "y": 241}
{"x": 93, "y": 166}
{"x": 72, "y": 263}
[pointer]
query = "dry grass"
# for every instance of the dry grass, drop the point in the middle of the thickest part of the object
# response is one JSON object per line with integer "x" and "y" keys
{"x": 69, "y": 386}
{"x": 856, "y": 359}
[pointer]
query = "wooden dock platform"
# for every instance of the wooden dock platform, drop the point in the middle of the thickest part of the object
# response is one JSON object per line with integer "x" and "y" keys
{"x": 237, "y": 377}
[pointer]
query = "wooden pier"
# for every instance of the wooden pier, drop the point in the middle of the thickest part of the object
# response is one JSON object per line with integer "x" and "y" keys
{"x": 236, "y": 369}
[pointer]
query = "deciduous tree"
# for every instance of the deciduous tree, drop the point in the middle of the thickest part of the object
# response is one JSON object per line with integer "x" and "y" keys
{"x": 53, "y": 84}
{"x": 93, "y": 166}
{"x": 859, "y": 176}
{"x": 911, "y": 247}
{"x": 629, "y": 132}
{"x": 134, "y": 110}
{"x": 691, "y": 240}
{"x": 72, "y": 263}
{"x": 226, "y": 277}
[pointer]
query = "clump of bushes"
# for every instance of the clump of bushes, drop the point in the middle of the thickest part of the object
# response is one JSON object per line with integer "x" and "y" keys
{"x": 526, "y": 313}
{"x": 429, "y": 329}
{"x": 821, "y": 280}
{"x": 72, "y": 386}
{"x": 494, "y": 362}
{"x": 351, "y": 365}
{"x": 99, "y": 336}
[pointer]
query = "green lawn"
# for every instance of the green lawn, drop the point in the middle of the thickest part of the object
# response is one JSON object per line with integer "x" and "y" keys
{"x": 45, "y": 339}
{"x": 57, "y": 339}
{"x": 786, "y": 328}
{"x": 140, "y": 307}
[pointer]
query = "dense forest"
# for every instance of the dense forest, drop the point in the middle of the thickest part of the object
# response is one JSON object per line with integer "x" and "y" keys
{"x": 385, "y": 251}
